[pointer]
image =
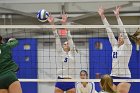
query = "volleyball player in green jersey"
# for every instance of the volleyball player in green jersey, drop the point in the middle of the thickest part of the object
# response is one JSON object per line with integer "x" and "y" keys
{"x": 8, "y": 80}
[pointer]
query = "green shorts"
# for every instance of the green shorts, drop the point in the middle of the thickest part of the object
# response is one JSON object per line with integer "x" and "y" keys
{"x": 7, "y": 78}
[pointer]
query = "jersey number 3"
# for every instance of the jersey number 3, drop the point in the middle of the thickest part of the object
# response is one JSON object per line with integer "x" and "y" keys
{"x": 115, "y": 54}
{"x": 66, "y": 59}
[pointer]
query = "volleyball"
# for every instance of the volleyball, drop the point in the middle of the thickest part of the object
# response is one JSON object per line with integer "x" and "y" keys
{"x": 42, "y": 15}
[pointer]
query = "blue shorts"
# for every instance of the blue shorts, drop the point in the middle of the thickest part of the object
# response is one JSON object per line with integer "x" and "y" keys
{"x": 116, "y": 83}
{"x": 65, "y": 86}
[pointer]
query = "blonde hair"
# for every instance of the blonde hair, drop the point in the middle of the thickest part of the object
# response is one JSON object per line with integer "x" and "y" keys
{"x": 107, "y": 84}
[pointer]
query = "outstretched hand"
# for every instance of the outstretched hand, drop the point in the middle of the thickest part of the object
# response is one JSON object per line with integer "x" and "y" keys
{"x": 51, "y": 19}
{"x": 117, "y": 11}
{"x": 101, "y": 11}
{"x": 64, "y": 18}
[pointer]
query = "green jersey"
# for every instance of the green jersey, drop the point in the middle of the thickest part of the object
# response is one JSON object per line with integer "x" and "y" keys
{"x": 6, "y": 62}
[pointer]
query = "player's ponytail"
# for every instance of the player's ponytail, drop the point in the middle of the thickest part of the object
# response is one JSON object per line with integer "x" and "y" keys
{"x": 0, "y": 39}
{"x": 107, "y": 84}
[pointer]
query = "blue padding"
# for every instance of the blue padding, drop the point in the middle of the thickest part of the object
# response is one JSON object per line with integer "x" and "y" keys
{"x": 28, "y": 68}
{"x": 100, "y": 61}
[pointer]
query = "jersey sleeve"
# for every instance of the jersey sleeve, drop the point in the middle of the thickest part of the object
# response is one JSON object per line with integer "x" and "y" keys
{"x": 123, "y": 31}
{"x": 78, "y": 88}
{"x": 110, "y": 34}
{"x": 92, "y": 87}
{"x": 12, "y": 43}
{"x": 58, "y": 41}
{"x": 70, "y": 42}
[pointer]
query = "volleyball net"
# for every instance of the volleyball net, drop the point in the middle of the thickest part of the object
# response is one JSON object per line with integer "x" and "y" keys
{"x": 39, "y": 62}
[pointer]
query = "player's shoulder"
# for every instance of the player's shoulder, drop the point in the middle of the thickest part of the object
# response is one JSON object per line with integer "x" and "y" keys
{"x": 78, "y": 83}
{"x": 127, "y": 45}
{"x": 115, "y": 45}
{"x": 91, "y": 84}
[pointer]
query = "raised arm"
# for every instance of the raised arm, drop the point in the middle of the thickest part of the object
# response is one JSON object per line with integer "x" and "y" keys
{"x": 57, "y": 38}
{"x": 12, "y": 42}
{"x": 110, "y": 34}
{"x": 69, "y": 37}
{"x": 123, "y": 30}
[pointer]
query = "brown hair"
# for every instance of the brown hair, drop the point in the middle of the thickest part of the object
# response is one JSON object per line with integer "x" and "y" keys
{"x": 0, "y": 39}
{"x": 84, "y": 72}
{"x": 68, "y": 46}
{"x": 107, "y": 83}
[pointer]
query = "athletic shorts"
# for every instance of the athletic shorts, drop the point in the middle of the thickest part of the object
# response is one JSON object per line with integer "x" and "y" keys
{"x": 7, "y": 78}
{"x": 65, "y": 86}
{"x": 116, "y": 83}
